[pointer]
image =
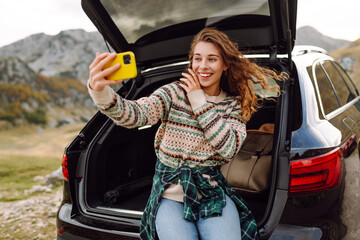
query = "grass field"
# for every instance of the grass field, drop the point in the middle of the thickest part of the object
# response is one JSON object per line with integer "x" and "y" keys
{"x": 35, "y": 141}
{"x": 17, "y": 174}
{"x": 27, "y": 152}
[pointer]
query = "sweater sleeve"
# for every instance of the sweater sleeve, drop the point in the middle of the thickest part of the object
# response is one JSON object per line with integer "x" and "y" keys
{"x": 227, "y": 134}
{"x": 131, "y": 114}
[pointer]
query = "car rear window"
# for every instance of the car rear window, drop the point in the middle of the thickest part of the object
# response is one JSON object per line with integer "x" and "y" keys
{"x": 137, "y": 18}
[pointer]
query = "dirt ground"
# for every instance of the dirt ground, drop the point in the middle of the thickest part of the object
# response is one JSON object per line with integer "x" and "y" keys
{"x": 32, "y": 218}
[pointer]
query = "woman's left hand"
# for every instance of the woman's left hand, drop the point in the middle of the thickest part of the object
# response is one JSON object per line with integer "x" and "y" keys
{"x": 190, "y": 81}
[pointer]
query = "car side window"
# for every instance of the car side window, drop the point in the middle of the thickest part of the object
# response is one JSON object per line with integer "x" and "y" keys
{"x": 347, "y": 79}
{"x": 345, "y": 92}
{"x": 327, "y": 93}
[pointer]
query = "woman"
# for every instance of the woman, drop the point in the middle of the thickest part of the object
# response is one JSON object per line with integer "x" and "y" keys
{"x": 203, "y": 120}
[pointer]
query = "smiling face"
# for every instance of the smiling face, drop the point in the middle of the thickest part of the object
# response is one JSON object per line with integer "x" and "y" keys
{"x": 208, "y": 65}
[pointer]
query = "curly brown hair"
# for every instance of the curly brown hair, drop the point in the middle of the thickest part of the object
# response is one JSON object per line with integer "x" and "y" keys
{"x": 241, "y": 75}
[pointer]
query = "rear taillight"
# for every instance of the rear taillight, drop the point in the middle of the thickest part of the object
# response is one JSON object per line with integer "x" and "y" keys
{"x": 64, "y": 165}
{"x": 60, "y": 231}
{"x": 316, "y": 174}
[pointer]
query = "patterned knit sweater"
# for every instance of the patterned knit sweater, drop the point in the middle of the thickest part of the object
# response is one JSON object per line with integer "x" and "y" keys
{"x": 194, "y": 132}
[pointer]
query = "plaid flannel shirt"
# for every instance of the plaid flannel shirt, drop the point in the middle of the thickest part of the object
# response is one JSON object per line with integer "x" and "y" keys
{"x": 192, "y": 180}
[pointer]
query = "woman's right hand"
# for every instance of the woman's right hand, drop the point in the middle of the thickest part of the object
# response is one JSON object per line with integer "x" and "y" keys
{"x": 97, "y": 73}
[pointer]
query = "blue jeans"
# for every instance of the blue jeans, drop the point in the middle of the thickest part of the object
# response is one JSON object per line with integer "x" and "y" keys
{"x": 170, "y": 224}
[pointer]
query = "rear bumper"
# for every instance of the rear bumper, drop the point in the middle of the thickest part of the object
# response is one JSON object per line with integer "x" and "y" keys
{"x": 69, "y": 236}
{"x": 291, "y": 232}
{"x": 72, "y": 229}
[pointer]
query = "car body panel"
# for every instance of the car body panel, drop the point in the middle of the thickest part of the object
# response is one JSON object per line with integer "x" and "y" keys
{"x": 330, "y": 209}
{"x": 313, "y": 128}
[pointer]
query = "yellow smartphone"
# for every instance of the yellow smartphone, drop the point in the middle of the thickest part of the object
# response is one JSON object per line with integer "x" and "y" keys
{"x": 127, "y": 69}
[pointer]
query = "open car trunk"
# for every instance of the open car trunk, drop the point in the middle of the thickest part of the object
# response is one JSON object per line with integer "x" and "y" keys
{"x": 121, "y": 161}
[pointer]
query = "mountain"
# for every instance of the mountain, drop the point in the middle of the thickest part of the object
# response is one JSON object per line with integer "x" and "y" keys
{"x": 310, "y": 36}
{"x": 66, "y": 54}
{"x": 352, "y": 49}
{"x": 43, "y": 78}
{"x": 27, "y": 96}
{"x": 15, "y": 71}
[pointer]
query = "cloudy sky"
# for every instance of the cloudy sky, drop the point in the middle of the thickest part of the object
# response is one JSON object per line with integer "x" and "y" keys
{"x": 21, "y": 18}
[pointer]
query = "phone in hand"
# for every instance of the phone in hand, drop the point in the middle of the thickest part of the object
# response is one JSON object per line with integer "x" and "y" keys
{"x": 127, "y": 69}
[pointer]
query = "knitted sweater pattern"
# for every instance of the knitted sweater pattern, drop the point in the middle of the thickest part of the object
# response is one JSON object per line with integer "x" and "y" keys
{"x": 193, "y": 131}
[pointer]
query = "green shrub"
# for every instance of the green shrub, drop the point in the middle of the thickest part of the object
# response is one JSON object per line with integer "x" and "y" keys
{"x": 37, "y": 117}
{"x": 11, "y": 112}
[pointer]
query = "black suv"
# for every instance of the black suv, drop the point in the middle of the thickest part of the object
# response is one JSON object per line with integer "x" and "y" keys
{"x": 313, "y": 185}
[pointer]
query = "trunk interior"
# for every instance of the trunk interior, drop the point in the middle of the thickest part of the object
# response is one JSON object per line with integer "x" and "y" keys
{"x": 121, "y": 163}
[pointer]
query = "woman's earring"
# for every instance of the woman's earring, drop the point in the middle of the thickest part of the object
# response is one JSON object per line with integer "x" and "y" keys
{"x": 225, "y": 72}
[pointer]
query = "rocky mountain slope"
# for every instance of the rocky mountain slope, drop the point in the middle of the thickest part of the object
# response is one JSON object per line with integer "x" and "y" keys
{"x": 27, "y": 96}
{"x": 310, "y": 36}
{"x": 66, "y": 54}
{"x": 43, "y": 78}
